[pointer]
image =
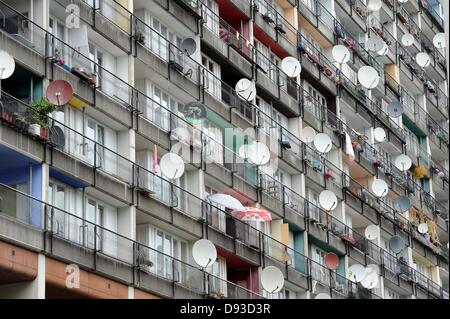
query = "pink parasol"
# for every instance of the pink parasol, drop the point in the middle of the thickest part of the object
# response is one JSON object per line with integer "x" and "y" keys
{"x": 252, "y": 214}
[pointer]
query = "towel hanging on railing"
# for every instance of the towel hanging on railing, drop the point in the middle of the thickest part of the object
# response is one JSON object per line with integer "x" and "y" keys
{"x": 348, "y": 147}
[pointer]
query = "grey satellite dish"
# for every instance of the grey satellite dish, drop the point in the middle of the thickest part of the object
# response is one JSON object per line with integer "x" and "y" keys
{"x": 395, "y": 109}
{"x": 322, "y": 296}
{"x": 308, "y": 134}
{"x": 407, "y": 39}
{"x": 322, "y": 143}
{"x": 422, "y": 228}
{"x": 439, "y": 40}
{"x": 375, "y": 43}
{"x": 356, "y": 272}
{"x": 56, "y": 136}
{"x": 259, "y": 153}
{"x": 403, "y": 162}
{"x": 374, "y": 5}
{"x": 379, "y": 187}
{"x": 379, "y": 134}
{"x": 402, "y": 204}
{"x": 291, "y": 66}
{"x": 328, "y": 200}
{"x": 172, "y": 165}
{"x": 272, "y": 279}
{"x": 371, "y": 232}
{"x": 341, "y": 54}
{"x": 189, "y": 46}
{"x": 245, "y": 89}
{"x": 396, "y": 244}
{"x": 423, "y": 59}
{"x": 7, "y": 65}
{"x": 384, "y": 50}
{"x": 204, "y": 253}
{"x": 368, "y": 77}
{"x": 370, "y": 279}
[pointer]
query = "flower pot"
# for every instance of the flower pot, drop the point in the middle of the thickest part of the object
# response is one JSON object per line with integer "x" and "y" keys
{"x": 35, "y": 129}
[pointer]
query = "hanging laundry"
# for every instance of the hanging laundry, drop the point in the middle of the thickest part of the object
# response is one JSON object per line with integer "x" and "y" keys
{"x": 348, "y": 147}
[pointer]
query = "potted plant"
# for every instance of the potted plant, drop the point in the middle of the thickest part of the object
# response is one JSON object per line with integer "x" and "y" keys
{"x": 38, "y": 114}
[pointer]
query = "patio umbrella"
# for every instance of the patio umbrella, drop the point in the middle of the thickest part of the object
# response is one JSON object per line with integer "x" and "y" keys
{"x": 226, "y": 200}
{"x": 252, "y": 214}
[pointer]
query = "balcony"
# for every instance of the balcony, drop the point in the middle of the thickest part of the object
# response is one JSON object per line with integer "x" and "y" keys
{"x": 316, "y": 20}
{"x": 439, "y": 139}
{"x": 432, "y": 17}
{"x": 356, "y": 10}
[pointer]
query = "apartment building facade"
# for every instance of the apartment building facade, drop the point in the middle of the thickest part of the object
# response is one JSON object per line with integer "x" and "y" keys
{"x": 85, "y": 211}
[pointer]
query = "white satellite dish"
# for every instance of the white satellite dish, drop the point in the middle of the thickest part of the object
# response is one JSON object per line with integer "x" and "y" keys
{"x": 7, "y": 65}
{"x": 384, "y": 50}
{"x": 423, "y": 59}
{"x": 371, "y": 232}
{"x": 439, "y": 40}
{"x": 403, "y": 162}
{"x": 374, "y": 5}
{"x": 370, "y": 279}
{"x": 379, "y": 134}
{"x": 204, "y": 253}
{"x": 322, "y": 143}
{"x": 375, "y": 43}
{"x": 395, "y": 109}
{"x": 328, "y": 200}
{"x": 258, "y": 153}
{"x": 245, "y": 89}
{"x": 379, "y": 187}
{"x": 374, "y": 268}
{"x": 308, "y": 134}
{"x": 291, "y": 66}
{"x": 172, "y": 165}
{"x": 243, "y": 151}
{"x": 356, "y": 272}
{"x": 189, "y": 46}
{"x": 368, "y": 77}
{"x": 407, "y": 39}
{"x": 272, "y": 279}
{"x": 341, "y": 54}
{"x": 402, "y": 1}
{"x": 322, "y": 296}
{"x": 422, "y": 228}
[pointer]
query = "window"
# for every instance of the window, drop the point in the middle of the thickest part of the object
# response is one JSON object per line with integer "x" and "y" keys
{"x": 423, "y": 273}
{"x": 217, "y": 284}
{"x": 318, "y": 271}
{"x": 267, "y": 60}
{"x": 57, "y": 28}
{"x": 310, "y": 4}
{"x": 57, "y": 218}
{"x": 271, "y": 121}
{"x": 311, "y": 46}
{"x": 213, "y": 147}
{"x": 315, "y": 102}
{"x": 216, "y": 215}
{"x": 212, "y": 78}
{"x": 313, "y": 197}
{"x": 390, "y": 294}
{"x": 96, "y": 139}
{"x": 93, "y": 215}
{"x": 210, "y": 13}
{"x": 160, "y": 36}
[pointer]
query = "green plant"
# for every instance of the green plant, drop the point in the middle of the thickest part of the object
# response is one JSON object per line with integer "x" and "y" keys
{"x": 39, "y": 111}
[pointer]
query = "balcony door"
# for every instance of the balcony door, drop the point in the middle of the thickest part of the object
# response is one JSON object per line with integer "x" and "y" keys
{"x": 212, "y": 77}
{"x": 94, "y": 151}
{"x": 93, "y": 215}
{"x": 57, "y": 218}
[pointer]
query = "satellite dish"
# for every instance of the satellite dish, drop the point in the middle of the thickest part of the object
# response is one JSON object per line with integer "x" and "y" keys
{"x": 189, "y": 46}
{"x": 403, "y": 162}
{"x": 374, "y": 268}
{"x": 407, "y": 39}
{"x": 423, "y": 59}
{"x": 258, "y": 153}
{"x": 341, "y": 54}
{"x": 243, "y": 151}
{"x": 204, "y": 253}
{"x": 172, "y": 165}
{"x": 194, "y": 112}
{"x": 379, "y": 134}
{"x": 322, "y": 296}
{"x": 328, "y": 200}
{"x": 331, "y": 260}
{"x": 402, "y": 1}
{"x": 402, "y": 204}
{"x": 356, "y": 272}
{"x": 322, "y": 143}
{"x": 395, "y": 109}
{"x": 245, "y": 89}
{"x": 370, "y": 279}
{"x": 56, "y": 137}
{"x": 422, "y": 228}
{"x": 291, "y": 66}
{"x": 396, "y": 244}
{"x": 371, "y": 232}
{"x": 59, "y": 92}
{"x": 374, "y": 5}
{"x": 439, "y": 40}
{"x": 379, "y": 187}
{"x": 375, "y": 43}
{"x": 308, "y": 134}
{"x": 272, "y": 279}
{"x": 368, "y": 77}
{"x": 384, "y": 50}
{"x": 7, "y": 65}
